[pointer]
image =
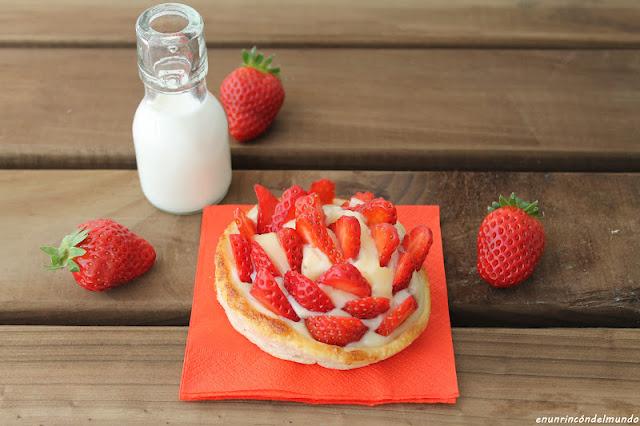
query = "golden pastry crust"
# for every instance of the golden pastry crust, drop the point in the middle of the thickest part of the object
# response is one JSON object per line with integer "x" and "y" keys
{"x": 276, "y": 337}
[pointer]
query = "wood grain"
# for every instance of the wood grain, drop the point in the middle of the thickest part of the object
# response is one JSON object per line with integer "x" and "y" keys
{"x": 131, "y": 374}
{"x": 377, "y": 109}
{"x": 589, "y": 274}
{"x": 477, "y": 23}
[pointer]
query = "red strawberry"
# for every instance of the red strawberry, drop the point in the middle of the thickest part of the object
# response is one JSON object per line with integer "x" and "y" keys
{"x": 404, "y": 272}
{"x": 102, "y": 254}
{"x": 241, "y": 248}
{"x": 266, "y": 207}
{"x": 245, "y": 225}
{"x": 367, "y": 307}
{"x": 346, "y": 277}
{"x": 261, "y": 259}
{"x": 417, "y": 244}
{"x": 397, "y": 316}
{"x": 347, "y": 229}
{"x": 377, "y": 210}
{"x": 266, "y": 290}
{"x": 311, "y": 204}
{"x": 251, "y": 96}
{"x": 386, "y": 238}
{"x": 315, "y": 233}
{"x": 510, "y": 242}
{"x": 334, "y": 330}
{"x": 307, "y": 293}
{"x": 286, "y": 208}
{"x": 292, "y": 244}
{"x": 362, "y": 196}
{"x": 325, "y": 189}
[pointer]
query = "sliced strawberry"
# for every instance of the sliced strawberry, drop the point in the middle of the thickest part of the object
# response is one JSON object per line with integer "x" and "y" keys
{"x": 397, "y": 316}
{"x": 266, "y": 290}
{"x": 245, "y": 225}
{"x": 403, "y": 273}
{"x": 386, "y": 238}
{"x": 310, "y": 204}
{"x": 417, "y": 243}
{"x": 286, "y": 208}
{"x": 292, "y": 244}
{"x": 266, "y": 206}
{"x": 325, "y": 189}
{"x": 346, "y": 277}
{"x": 307, "y": 293}
{"x": 334, "y": 330}
{"x": 347, "y": 229}
{"x": 261, "y": 259}
{"x": 313, "y": 231}
{"x": 378, "y": 210}
{"x": 362, "y": 196}
{"x": 367, "y": 307}
{"x": 241, "y": 248}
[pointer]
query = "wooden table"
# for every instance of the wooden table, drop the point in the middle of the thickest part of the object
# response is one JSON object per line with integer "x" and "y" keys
{"x": 421, "y": 102}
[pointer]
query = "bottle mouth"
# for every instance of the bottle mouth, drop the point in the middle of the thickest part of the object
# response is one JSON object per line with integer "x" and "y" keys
{"x": 172, "y": 54}
{"x": 149, "y": 23}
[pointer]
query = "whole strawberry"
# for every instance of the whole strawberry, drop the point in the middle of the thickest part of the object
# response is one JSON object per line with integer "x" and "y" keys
{"x": 102, "y": 254}
{"x": 251, "y": 96}
{"x": 510, "y": 242}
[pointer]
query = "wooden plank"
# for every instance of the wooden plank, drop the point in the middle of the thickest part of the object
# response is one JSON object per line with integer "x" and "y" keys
{"x": 378, "y": 109}
{"x": 131, "y": 374}
{"x": 478, "y": 23}
{"x": 588, "y": 276}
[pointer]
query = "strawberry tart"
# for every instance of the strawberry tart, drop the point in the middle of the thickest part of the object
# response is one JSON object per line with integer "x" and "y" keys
{"x": 315, "y": 279}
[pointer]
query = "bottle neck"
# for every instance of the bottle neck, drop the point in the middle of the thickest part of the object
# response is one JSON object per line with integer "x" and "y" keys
{"x": 198, "y": 91}
{"x": 172, "y": 53}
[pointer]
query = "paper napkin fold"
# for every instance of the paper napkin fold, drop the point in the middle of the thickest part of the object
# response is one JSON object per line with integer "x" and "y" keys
{"x": 220, "y": 363}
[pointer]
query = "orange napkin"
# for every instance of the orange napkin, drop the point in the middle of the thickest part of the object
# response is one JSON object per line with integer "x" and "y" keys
{"x": 220, "y": 363}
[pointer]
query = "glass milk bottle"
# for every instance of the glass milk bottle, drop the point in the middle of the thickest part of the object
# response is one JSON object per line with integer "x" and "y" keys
{"x": 180, "y": 129}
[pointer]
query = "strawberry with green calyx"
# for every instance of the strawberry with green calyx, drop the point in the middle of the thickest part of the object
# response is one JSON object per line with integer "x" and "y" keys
{"x": 102, "y": 254}
{"x": 252, "y": 96}
{"x": 510, "y": 242}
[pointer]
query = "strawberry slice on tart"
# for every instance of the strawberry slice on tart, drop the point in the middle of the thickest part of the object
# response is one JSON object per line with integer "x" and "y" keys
{"x": 267, "y": 203}
{"x": 292, "y": 245}
{"x": 377, "y": 210}
{"x": 325, "y": 189}
{"x": 285, "y": 210}
{"x": 366, "y": 307}
{"x": 346, "y": 277}
{"x": 266, "y": 290}
{"x": 334, "y": 330}
{"x": 386, "y": 238}
{"x": 315, "y": 233}
{"x": 347, "y": 230}
{"x": 245, "y": 225}
{"x": 242, "y": 254}
{"x": 261, "y": 259}
{"x": 307, "y": 293}
{"x": 310, "y": 204}
{"x": 397, "y": 316}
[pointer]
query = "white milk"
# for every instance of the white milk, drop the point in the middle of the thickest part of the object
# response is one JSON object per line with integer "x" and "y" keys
{"x": 182, "y": 151}
{"x": 180, "y": 130}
